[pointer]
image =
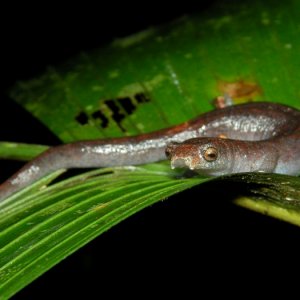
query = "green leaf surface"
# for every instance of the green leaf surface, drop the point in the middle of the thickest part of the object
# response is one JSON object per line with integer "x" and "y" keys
{"x": 156, "y": 78}
{"x": 19, "y": 151}
{"x": 40, "y": 229}
{"x": 271, "y": 194}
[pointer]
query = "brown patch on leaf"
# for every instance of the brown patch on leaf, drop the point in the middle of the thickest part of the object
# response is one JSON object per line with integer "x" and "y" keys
{"x": 239, "y": 89}
{"x": 100, "y": 206}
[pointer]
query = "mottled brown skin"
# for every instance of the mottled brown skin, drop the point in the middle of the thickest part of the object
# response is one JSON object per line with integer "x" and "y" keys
{"x": 274, "y": 127}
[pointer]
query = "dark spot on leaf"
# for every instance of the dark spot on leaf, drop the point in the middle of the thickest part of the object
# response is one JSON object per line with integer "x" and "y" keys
{"x": 127, "y": 105}
{"x": 82, "y": 118}
{"x": 120, "y": 108}
{"x": 117, "y": 115}
{"x": 141, "y": 98}
{"x": 98, "y": 115}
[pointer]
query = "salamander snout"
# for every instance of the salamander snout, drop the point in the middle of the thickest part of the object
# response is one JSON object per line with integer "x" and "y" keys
{"x": 182, "y": 155}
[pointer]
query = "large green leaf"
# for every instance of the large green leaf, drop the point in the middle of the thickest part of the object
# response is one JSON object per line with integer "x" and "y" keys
{"x": 151, "y": 80}
{"x": 167, "y": 75}
{"x": 39, "y": 229}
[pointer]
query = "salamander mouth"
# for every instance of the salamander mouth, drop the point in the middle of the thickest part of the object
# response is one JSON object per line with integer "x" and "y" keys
{"x": 181, "y": 162}
{"x": 184, "y": 162}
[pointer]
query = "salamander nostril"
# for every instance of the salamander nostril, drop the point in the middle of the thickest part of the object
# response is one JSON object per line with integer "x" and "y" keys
{"x": 168, "y": 152}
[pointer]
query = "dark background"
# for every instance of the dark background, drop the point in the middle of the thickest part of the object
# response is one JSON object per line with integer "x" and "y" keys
{"x": 185, "y": 243}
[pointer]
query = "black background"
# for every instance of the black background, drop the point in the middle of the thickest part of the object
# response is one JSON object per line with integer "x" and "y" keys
{"x": 186, "y": 243}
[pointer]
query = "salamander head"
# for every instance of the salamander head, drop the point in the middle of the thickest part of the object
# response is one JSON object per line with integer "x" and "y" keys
{"x": 206, "y": 156}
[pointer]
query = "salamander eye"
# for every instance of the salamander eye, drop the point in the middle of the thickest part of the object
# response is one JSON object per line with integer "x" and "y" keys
{"x": 210, "y": 154}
